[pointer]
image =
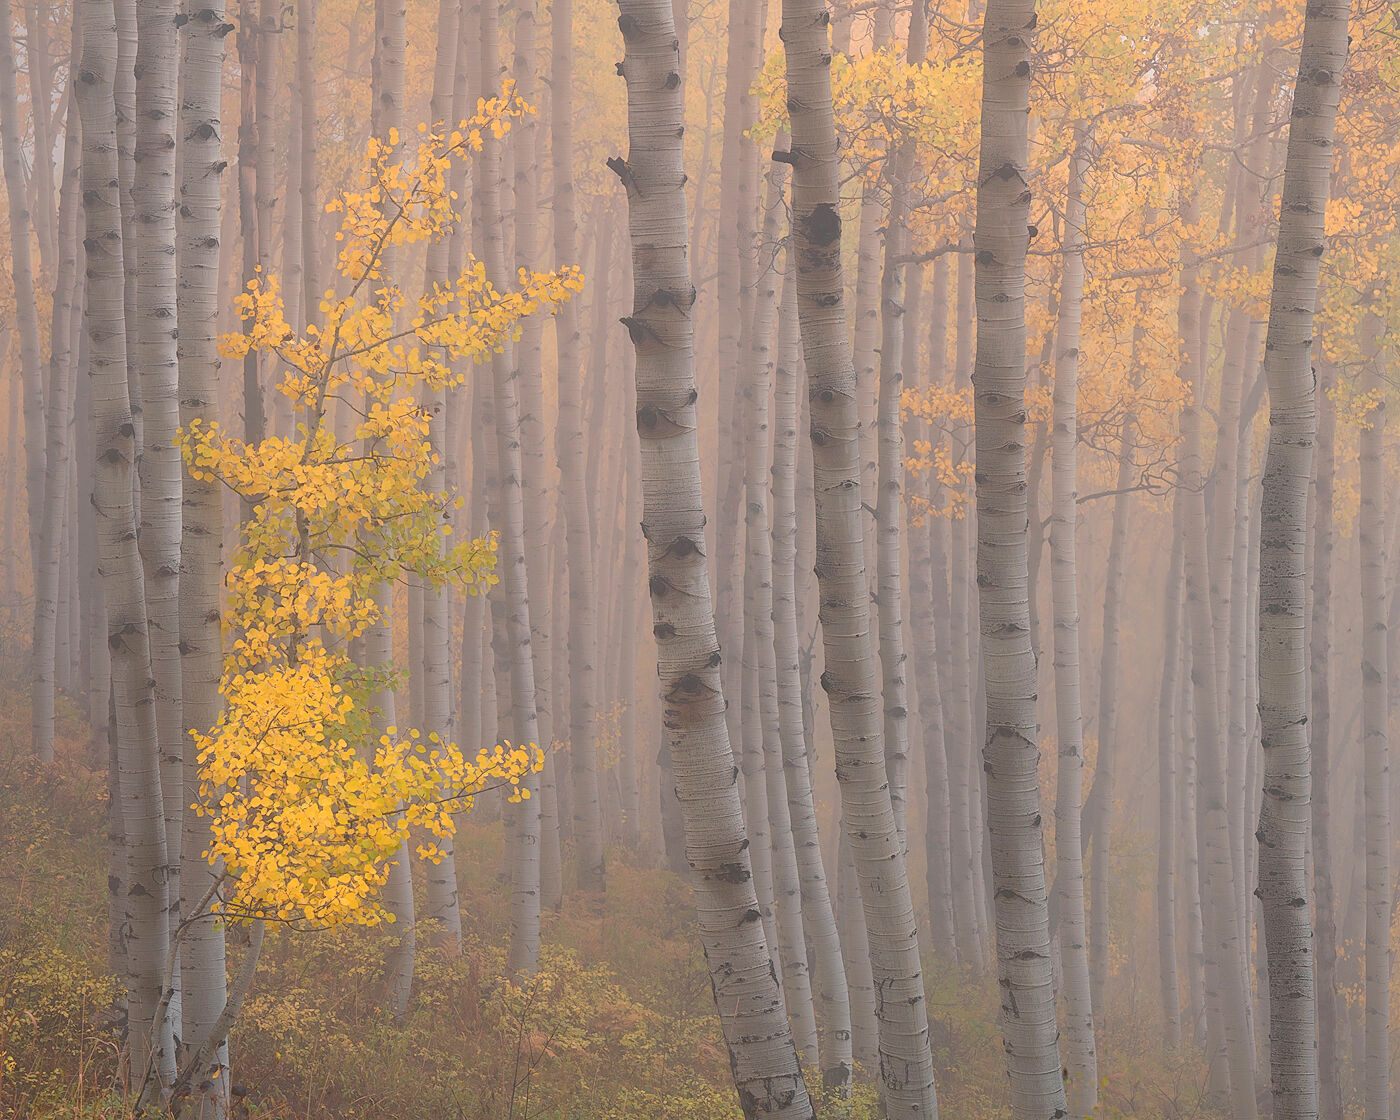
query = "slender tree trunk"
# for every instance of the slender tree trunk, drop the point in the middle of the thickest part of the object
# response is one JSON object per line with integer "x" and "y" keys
{"x": 1374, "y": 672}
{"x": 583, "y": 594}
{"x": 851, "y": 676}
{"x": 889, "y": 493}
{"x": 818, "y": 918}
{"x": 67, "y": 313}
{"x": 30, "y": 360}
{"x": 248, "y": 145}
{"x": 151, "y": 1045}
{"x": 928, "y": 583}
{"x": 762, "y": 1056}
{"x": 1324, "y": 889}
{"x": 202, "y": 966}
{"x": 310, "y": 200}
{"x": 1167, "y": 802}
{"x": 157, "y": 58}
{"x": 1101, "y": 798}
{"x": 1010, "y": 752}
{"x": 1080, "y": 1055}
{"x": 1283, "y": 666}
{"x": 1224, "y": 961}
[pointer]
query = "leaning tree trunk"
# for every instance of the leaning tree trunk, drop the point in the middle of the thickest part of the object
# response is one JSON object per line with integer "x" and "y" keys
{"x": 851, "y": 679}
{"x": 762, "y": 1056}
{"x": 202, "y": 967}
{"x": 153, "y": 195}
{"x": 1374, "y": 680}
{"x": 1069, "y": 861}
{"x": 1283, "y": 589}
{"x": 1010, "y": 752}
{"x": 150, "y": 1042}
{"x": 583, "y": 591}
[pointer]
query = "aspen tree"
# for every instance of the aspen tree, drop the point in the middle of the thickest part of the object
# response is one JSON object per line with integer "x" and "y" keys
{"x": 818, "y": 918}
{"x": 1320, "y": 720}
{"x": 1167, "y": 823}
{"x": 569, "y": 445}
{"x": 851, "y": 678}
{"x": 161, "y": 472}
{"x": 1283, "y": 666}
{"x": 30, "y": 359}
{"x": 1081, "y": 1056}
{"x": 202, "y": 964}
{"x": 1010, "y": 752}
{"x": 762, "y": 1056}
{"x": 150, "y": 1037}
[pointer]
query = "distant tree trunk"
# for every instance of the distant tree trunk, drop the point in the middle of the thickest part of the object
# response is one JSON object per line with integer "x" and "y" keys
{"x": 151, "y": 1044}
{"x": 312, "y": 279}
{"x": 525, "y": 134}
{"x": 30, "y": 360}
{"x": 928, "y": 583}
{"x": 889, "y": 432}
{"x": 1069, "y": 862}
{"x": 1167, "y": 731}
{"x": 41, "y": 91}
{"x": 1374, "y": 672}
{"x": 762, "y": 1056}
{"x": 818, "y": 918}
{"x": 202, "y": 964}
{"x": 153, "y": 197}
{"x": 254, "y": 425}
{"x": 1283, "y": 656}
{"x": 1101, "y": 797}
{"x": 1324, "y": 888}
{"x": 851, "y": 677}
{"x": 1186, "y": 794}
{"x": 1224, "y": 961}
{"x": 67, "y": 315}
{"x": 583, "y": 594}
{"x": 1010, "y": 752}
{"x": 950, "y": 570}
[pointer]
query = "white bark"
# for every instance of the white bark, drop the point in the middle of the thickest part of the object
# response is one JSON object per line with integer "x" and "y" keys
{"x": 762, "y": 1056}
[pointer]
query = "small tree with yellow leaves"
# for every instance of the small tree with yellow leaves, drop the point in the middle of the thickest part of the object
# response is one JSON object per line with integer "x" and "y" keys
{"x": 306, "y": 810}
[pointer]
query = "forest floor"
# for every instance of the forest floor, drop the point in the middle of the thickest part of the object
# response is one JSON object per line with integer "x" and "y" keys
{"x": 619, "y": 1024}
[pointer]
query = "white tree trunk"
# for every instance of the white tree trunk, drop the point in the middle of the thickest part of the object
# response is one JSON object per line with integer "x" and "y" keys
{"x": 150, "y": 1040}
{"x": 1080, "y": 1055}
{"x": 1283, "y": 654}
{"x": 762, "y": 1056}
{"x": 851, "y": 678}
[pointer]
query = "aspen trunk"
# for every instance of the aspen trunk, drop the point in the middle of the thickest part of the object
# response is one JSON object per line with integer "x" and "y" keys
{"x": 150, "y": 1042}
{"x": 161, "y": 471}
{"x": 1283, "y": 666}
{"x": 1319, "y": 656}
{"x": 1080, "y": 1055}
{"x": 583, "y": 594}
{"x": 67, "y": 315}
{"x": 202, "y": 965}
{"x": 1374, "y": 671}
{"x": 1167, "y": 754}
{"x": 928, "y": 582}
{"x": 1010, "y": 752}
{"x": 310, "y": 182}
{"x": 1224, "y": 961}
{"x": 762, "y": 1056}
{"x": 851, "y": 677}
{"x": 818, "y": 918}
{"x": 30, "y": 359}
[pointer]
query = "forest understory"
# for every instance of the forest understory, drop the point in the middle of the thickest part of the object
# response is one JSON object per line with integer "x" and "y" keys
{"x": 618, "y": 1023}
